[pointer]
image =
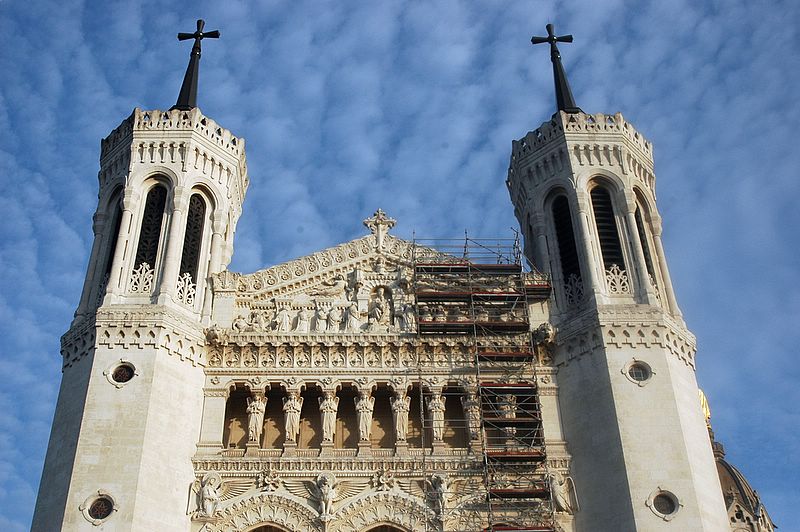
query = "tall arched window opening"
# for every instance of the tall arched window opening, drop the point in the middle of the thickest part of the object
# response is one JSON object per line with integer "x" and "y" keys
{"x": 648, "y": 260}
{"x": 610, "y": 246}
{"x": 116, "y": 222}
{"x": 150, "y": 234}
{"x": 193, "y": 238}
{"x": 567, "y": 250}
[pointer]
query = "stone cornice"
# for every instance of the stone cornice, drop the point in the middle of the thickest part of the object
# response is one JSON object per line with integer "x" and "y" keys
{"x": 623, "y": 326}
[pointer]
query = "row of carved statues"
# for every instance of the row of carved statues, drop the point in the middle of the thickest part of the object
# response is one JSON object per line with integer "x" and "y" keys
{"x": 336, "y": 317}
{"x": 505, "y": 406}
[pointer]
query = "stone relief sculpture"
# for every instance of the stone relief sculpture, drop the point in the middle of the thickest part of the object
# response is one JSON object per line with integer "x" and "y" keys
{"x": 209, "y": 496}
{"x": 328, "y": 406}
{"x": 435, "y": 405}
{"x": 336, "y": 288}
{"x": 303, "y": 321}
{"x": 405, "y": 318}
{"x": 259, "y": 321}
{"x": 240, "y": 324}
{"x": 352, "y": 318}
{"x": 365, "y": 404}
{"x": 379, "y": 307}
{"x": 321, "y": 320}
{"x": 562, "y": 494}
{"x": 334, "y": 319}
{"x": 292, "y": 406}
{"x": 282, "y": 320}
{"x": 438, "y": 492}
{"x": 326, "y": 492}
{"x": 255, "y": 418}
{"x": 400, "y": 407}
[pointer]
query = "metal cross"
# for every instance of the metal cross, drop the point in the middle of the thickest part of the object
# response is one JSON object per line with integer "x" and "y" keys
{"x": 198, "y": 36}
{"x": 552, "y": 39}
{"x": 564, "y": 100}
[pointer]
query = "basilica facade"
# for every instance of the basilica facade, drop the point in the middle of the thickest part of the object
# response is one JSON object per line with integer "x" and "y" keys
{"x": 540, "y": 384}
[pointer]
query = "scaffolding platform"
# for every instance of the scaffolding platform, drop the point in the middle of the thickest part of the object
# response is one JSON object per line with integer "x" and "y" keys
{"x": 480, "y": 292}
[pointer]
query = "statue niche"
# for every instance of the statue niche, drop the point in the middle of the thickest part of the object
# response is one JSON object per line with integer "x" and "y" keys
{"x": 381, "y": 309}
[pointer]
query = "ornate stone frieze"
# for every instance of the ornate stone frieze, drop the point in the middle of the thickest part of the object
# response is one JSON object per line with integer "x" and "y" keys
{"x": 78, "y": 342}
{"x": 624, "y": 325}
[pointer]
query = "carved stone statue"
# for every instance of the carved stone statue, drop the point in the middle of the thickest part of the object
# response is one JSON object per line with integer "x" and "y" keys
{"x": 328, "y": 406}
{"x": 303, "y": 321}
{"x": 352, "y": 318}
{"x": 327, "y": 494}
{"x": 379, "y": 312}
{"x": 282, "y": 320}
{"x": 435, "y": 404}
{"x": 335, "y": 288}
{"x": 240, "y": 324}
{"x": 472, "y": 409}
{"x": 438, "y": 487}
{"x": 405, "y": 318}
{"x": 292, "y": 406}
{"x": 209, "y": 496}
{"x": 400, "y": 407}
{"x": 559, "y": 487}
{"x": 255, "y": 418}
{"x": 321, "y": 320}
{"x": 334, "y": 319}
{"x": 259, "y": 321}
{"x": 365, "y": 404}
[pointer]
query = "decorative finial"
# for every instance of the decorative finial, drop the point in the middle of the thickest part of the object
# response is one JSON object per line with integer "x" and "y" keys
{"x": 187, "y": 99}
{"x": 380, "y": 224}
{"x": 564, "y": 99}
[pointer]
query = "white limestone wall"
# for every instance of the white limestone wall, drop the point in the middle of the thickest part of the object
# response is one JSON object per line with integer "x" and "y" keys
{"x": 51, "y": 500}
{"x": 589, "y": 420}
{"x": 136, "y": 443}
{"x": 628, "y": 440}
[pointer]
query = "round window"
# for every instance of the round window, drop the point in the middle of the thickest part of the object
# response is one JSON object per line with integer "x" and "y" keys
{"x": 123, "y": 373}
{"x": 639, "y": 372}
{"x": 664, "y": 504}
{"x": 101, "y": 508}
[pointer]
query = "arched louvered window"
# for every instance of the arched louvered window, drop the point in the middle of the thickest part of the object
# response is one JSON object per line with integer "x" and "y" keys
{"x": 150, "y": 234}
{"x": 648, "y": 260}
{"x": 567, "y": 250}
{"x": 113, "y": 236}
{"x": 193, "y": 238}
{"x": 610, "y": 246}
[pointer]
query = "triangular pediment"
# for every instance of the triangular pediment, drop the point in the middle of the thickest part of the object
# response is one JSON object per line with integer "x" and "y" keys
{"x": 316, "y": 274}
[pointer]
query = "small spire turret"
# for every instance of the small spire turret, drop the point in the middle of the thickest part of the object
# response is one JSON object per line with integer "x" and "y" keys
{"x": 187, "y": 99}
{"x": 564, "y": 99}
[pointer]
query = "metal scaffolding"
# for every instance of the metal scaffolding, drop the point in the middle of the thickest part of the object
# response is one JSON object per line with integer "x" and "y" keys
{"x": 479, "y": 291}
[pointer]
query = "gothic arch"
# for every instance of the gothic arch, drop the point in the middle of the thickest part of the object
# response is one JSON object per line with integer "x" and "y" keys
{"x": 381, "y": 509}
{"x": 140, "y": 180}
{"x": 265, "y": 509}
{"x": 594, "y": 176}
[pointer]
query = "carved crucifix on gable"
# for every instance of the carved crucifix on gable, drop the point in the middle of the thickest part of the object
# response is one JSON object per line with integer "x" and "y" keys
{"x": 380, "y": 224}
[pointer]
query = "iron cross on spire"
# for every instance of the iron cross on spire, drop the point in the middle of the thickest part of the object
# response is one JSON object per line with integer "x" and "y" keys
{"x": 564, "y": 99}
{"x": 187, "y": 99}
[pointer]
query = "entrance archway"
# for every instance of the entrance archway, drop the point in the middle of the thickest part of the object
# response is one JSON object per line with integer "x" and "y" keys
{"x": 268, "y": 528}
{"x": 385, "y": 528}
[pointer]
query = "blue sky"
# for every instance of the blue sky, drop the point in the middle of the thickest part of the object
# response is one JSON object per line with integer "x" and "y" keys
{"x": 411, "y": 106}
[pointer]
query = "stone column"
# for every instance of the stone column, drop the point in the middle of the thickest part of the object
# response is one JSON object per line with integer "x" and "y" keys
{"x": 640, "y": 264}
{"x": 213, "y": 421}
{"x": 435, "y": 407}
{"x": 662, "y": 265}
{"x": 174, "y": 246}
{"x": 585, "y": 254}
{"x": 256, "y": 407}
{"x": 472, "y": 411}
{"x": 91, "y": 285}
{"x": 215, "y": 263}
{"x": 365, "y": 405}
{"x": 328, "y": 408}
{"x": 121, "y": 261}
{"x": 541, "y": 242}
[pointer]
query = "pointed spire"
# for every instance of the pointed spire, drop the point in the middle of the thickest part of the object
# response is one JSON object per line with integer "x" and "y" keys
{"x": 564, "y": 99}
{"x": 187, "y": 99}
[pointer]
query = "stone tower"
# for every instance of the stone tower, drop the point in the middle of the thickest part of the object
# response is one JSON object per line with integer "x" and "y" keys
{"x": 171, "y": 187}
{"x": 583, "y": 189}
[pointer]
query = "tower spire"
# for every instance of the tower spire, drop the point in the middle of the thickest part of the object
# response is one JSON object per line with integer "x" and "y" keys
{"x": 564, "y": 99}
{"x": 187, "y": 99}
